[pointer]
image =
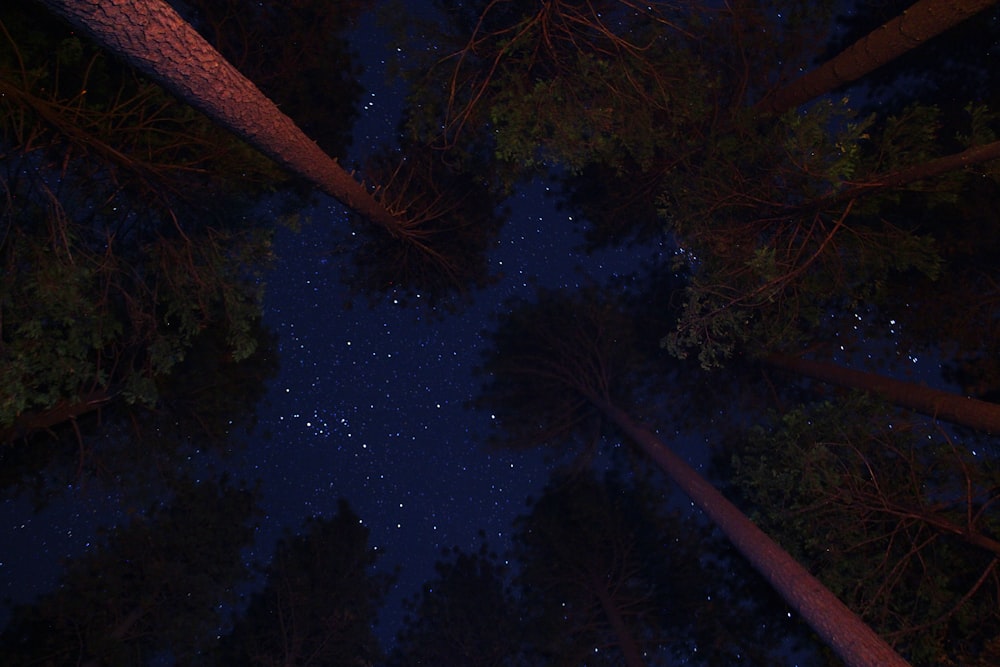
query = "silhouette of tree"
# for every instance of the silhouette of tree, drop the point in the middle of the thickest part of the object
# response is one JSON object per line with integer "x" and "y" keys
{"x": 319, "y": 602}
{"x": 154, "y": 588}
{"x": 943, "y": 405}
{"x": 453, "y": 220}
{"x": 465, "y": 616}
{"x": 556, "y": 372}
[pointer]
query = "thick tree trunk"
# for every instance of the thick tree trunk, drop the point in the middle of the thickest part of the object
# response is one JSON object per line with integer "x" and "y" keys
{"x": 925, "y": 19}
{"x": 153, "y": 38}
{"x": 626, "y": 641}
{"x": 839, "y": 627}
{"x": 980, "y": 415}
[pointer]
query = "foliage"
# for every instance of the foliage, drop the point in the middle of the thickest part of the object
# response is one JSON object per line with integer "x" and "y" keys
{"x": 467, "y": 615}
{"x": 550, "y": 357}
{"x": 896, "y": 521}
{"x": 451, "y": 222}
{"x": 126, "y": 228}
{"x": 154, "y": 587}
{"x": 773, "y": 233}
{"x": 560, "y": 83}
{"x": 133, "y": 451}
{"x": 319, "y": 602}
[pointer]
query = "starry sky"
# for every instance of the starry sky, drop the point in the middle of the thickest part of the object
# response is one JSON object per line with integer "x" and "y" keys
{"x": 371, "y": 403}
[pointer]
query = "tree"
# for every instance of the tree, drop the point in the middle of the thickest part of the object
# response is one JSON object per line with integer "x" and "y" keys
{"x": 466, "y": 616}
{"x": 563, "y": 360}
{"x": 154, "y": 39}
{"x": 770, "y": 255}
{"x": 296, "y": 53}
{"x": 319, "y": 601}
{"x": 947, "y": 71}
{"x": 154, "y": 588}
{"x": 127, "y": 230}
{"x": 924, "y": 20}
{"x": 971, "y": 412}
{"x": 581, "y": 576}
{"x": 896, "y": 519}
{"x": 453, "y": 218}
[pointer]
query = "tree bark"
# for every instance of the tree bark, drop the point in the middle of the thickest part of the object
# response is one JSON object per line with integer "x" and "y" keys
{"x": 911, "y": 174}
{"x": 626, "y": 640}
{"x": 150, "y": 36}
{"x": 925, "y": 19}
{"x": 971, "y": 412}
{"x": 839, "y": 627}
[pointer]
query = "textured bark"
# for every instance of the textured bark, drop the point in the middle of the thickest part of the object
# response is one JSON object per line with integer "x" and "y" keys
{"x": 839, "y": 627}
{"x": 955, "y": 408}
{"x": 923, "y": 20}
{"x": 151, "y": 37}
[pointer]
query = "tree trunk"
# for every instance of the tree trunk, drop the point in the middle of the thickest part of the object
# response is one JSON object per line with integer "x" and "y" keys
{"x": 923, "y": 20}
{"x": 980, "y": 415}
{"x": 153, "y": 38}
{"x": 63, "y": 411}
{"x": 839, "y": 627}
{"x": 918, "y": 172}
{"x": 626, "y": 641}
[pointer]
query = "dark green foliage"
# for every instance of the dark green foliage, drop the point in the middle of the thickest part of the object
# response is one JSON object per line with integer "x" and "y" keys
{"x": 466, "y": 616}
{"x": 451, "y": 223}
{"x": 549, "y": 358}
{"x": 319, "y": 602}
{"x": 135, "y": 451}
{"x": 126, "y": 228}
{"x": 586, "y": 582}
{"x": 153, "y": 587}
{"x": 897, "y": 521}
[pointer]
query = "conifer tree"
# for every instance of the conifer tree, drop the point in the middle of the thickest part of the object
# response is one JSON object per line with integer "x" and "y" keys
{"x": 560, "y": 367}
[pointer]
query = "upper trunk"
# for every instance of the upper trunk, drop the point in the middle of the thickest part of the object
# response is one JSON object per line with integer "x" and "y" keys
{"x": 626, "y": 640}
{"x": 154, "y": 39}
{"x": 980, "y": 415}
{"x": 839, "y": 627}
{"x": 923, "y": 20}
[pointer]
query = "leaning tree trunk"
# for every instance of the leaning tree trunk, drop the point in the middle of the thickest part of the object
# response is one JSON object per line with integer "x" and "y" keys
{"x": 626, "y": 640}
{"x": 875, "y": 183}
{"x": 839, "y": 627}
{"x": 955, "y": 408}
{"x": 154, "y": 39}
{"x": 925, "y": 19}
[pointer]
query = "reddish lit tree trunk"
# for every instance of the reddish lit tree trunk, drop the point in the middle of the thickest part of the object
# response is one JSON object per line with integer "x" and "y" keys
{"x": 918, "y": 172}
{"x": 839, "y": 627}
{"x": 153, "y": 38}
{"x": 980, "y": 415}
{"x": 923, "y": 20}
